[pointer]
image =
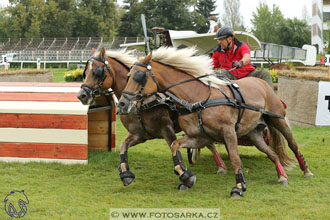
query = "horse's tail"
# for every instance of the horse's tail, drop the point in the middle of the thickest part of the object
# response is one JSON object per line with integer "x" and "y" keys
{"x": 278, "y": 144}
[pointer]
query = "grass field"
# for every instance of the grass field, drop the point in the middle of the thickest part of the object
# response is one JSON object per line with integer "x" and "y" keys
{"x": 58, "y": 191}
{"x": 58, "y": 74}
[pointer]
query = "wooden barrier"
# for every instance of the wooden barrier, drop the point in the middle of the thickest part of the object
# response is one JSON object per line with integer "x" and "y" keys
{"x": 26, "y": 75}
{"x": 306, "y": 95}
{"x": 46, "y": 122}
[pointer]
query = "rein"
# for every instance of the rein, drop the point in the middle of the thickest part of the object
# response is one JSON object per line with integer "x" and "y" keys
{"x": 94, "y": 91}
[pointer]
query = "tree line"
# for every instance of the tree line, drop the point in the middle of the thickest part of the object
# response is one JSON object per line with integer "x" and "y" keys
{"x": 107, "y": 19}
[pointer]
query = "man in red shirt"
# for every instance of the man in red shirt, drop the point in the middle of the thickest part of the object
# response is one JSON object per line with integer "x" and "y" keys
{"x": 233, "y": 53}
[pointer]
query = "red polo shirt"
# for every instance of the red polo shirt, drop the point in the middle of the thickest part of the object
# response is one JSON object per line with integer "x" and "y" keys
{"x": 223, "y": 59}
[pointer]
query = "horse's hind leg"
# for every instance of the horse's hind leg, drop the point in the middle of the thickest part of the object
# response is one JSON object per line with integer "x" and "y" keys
{"x": 187, "y": 178}
{"x": 222, "y": 169}
{"x": 126, "y": 176}
{"x": 257, "y": 138}
{"x": 281, "y": 125}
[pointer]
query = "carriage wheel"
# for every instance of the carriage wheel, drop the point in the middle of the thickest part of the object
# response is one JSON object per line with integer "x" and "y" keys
{"x": 193, "y": 155}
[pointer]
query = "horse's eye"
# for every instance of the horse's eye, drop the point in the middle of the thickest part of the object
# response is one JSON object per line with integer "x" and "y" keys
{"x": 98, "y": 72}
{"x": 140, "y": 77}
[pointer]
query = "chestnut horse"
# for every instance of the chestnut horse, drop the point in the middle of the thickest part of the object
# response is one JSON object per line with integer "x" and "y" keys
{"x": 109, "y": 70}
{"x": 183, "y": 75}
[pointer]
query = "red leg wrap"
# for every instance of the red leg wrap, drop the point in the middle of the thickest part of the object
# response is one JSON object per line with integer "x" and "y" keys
{"x": 280, "y": 171}
{"x": 219, "y": 161}
{"x": 301, "y": 160}
{"x": 284, "y": 104}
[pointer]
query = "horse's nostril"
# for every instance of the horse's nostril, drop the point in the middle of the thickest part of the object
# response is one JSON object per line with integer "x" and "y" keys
{"x": 83, "y": 96}
{"x": 121, "y": 104}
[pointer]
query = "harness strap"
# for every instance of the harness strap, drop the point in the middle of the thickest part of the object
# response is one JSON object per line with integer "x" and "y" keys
{"x": 148, "y": 105}
{"x": 228, "y": 101}
{"x": 238, "y": 96}
{"x": 143, "y": 126}
{"x": 201, "y": 127}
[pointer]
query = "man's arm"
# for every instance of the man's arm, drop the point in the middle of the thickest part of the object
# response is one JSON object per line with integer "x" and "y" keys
{"x": 246, "y": 59}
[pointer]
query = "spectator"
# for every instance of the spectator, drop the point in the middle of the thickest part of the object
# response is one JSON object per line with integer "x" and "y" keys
{"x": 213, "y": 24}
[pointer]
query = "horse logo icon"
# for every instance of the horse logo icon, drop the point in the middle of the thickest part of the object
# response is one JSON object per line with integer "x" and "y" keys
{"x": 13, "y": 198}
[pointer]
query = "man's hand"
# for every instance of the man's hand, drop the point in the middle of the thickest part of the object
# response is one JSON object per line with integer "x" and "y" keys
{"x": 237, "y": 64}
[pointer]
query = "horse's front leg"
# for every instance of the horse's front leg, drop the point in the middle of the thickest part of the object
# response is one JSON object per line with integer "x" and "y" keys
{"x": 126, "y": 176}
{"x": 231, "y": 145}
{"x": 187, "y": 178}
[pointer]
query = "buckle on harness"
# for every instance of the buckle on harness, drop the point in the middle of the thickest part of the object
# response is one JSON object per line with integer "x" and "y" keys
{"x": 235, "y": 85}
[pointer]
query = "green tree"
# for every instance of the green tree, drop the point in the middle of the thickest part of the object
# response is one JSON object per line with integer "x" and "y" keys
{"x": 205, "y": 9}
{"x": 25, "y": 18}
{"x": 172, "y": 15}
{"x": 129, "y": 3}
{"x": 60, "y": 18}
{"x": 266, "y": 23}
{"x": 326, "y": 38}
{"x": 96, "y": 18}
{"x": 294, "y": 32}
{"x": 3, "y": 21}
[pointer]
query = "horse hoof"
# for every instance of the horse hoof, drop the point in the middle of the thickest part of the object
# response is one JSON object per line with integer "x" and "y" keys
{"x": 283, "y": 181}
{"x": 221, "y": 171}
{"x": 309, "y": 175}
{"x": 188, "y": 178}
{"x": 127, "y": 181}
{"x": 236, "y": 192}
{"x": 183, "y": 187}
{"x": 235, "y": 195}
{"x": 127, "y": 177}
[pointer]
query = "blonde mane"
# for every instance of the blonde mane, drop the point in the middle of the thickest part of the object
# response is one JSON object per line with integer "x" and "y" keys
{"x": 123, "y": 56}
{"x": 187, "y": 61}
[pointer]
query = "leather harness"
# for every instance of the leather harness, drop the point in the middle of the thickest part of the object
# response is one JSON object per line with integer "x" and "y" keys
{"x": 237, "y": 102}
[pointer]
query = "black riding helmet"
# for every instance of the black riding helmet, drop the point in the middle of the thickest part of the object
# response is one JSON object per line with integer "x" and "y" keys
{"x": 224, "y": 32}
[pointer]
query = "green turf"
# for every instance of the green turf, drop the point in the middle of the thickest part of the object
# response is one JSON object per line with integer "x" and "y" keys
{"x": 88, "y": 191}
{"x": 58, "y": 74}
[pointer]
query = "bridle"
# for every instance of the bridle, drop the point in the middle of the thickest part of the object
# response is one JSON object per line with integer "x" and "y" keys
{"x": 99, "y": 72}
{"x": 141, "y": 78}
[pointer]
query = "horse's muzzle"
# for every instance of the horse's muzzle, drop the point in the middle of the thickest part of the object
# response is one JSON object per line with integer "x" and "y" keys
{"x": 126, "y": 106}
{"x": 85, "y": 97}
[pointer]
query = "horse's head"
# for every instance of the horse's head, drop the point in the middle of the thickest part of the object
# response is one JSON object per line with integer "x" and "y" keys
{"x": 98, "y": 77}
{"x": 141, "y": 84}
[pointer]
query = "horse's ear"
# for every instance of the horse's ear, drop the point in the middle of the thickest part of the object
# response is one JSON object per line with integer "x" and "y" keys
{"x": 102, "y": 53}
{"x": 93, "y": 51}
{"x": 148, "y": 58}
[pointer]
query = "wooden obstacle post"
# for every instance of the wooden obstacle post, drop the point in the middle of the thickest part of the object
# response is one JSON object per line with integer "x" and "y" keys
{"x": 327, "y": 62}
{"x": 38, "y": 64}
{"x": 4, "y": 62}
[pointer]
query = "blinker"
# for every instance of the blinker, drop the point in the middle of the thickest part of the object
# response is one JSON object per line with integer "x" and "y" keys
{"x": 140, "y": 77}
{"x": 98, "y": 72}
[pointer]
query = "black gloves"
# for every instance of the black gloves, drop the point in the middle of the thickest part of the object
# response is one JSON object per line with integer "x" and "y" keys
{"x": 237, "y": 64}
